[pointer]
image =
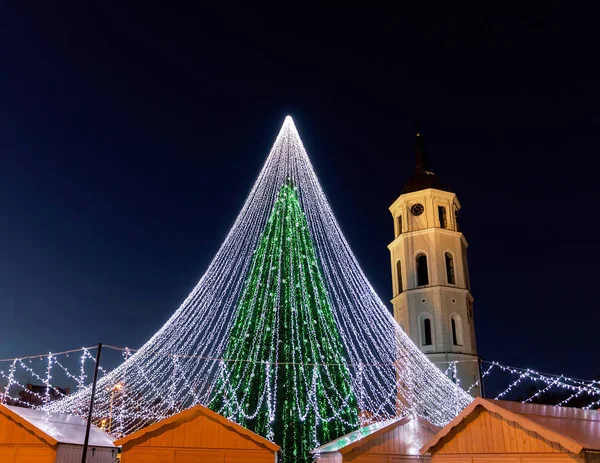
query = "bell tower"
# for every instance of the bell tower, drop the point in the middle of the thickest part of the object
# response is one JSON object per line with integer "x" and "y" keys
{"x": 430, "y": 276}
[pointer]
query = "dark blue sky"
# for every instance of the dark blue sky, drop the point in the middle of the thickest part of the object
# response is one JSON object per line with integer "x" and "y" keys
{"x": 130, "y": 137}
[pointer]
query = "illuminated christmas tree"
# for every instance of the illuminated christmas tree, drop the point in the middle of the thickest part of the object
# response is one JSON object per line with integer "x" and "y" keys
{"x": 284, "y": 372}
{"x": 264, "y": 335}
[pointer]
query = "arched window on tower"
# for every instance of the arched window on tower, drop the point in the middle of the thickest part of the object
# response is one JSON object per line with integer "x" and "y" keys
{"x": 442, "y": 217}
{"x": 426, "y": 338}
{"x": 456, "y": 326}
{"x": 450, "y": 269}
{"x": 399, "y": 275}
{"x": 399, "y": 225}
{"x": 422, "y": 273}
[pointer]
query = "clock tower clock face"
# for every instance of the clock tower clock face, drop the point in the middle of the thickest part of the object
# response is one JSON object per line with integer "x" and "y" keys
{"x": 417, "y": 209}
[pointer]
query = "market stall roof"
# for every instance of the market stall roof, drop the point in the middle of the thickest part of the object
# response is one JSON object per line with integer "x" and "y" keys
{"x": 363, "y": 435}
{"x": 190, "y": 414}
{"x": 573, "y": 428}
{"x": 57, "y": 428}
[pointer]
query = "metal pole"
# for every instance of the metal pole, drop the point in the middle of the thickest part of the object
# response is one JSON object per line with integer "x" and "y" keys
{"x": 481, "y": 377}
{"x": 89, "y": 421}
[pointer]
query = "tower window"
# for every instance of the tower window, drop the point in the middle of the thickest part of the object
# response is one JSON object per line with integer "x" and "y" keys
{"x": 456, "y": 219}
{"x": 399, "y": 225}
{"x": 399, "y": 275}
{"x": 426, "y": 339}
{"x": 456, "y": 326}
{"x": 426, "y": 332}
{"x": 454, "y": 340}
{"x": 422, "y": 273}
{"x": 450, "y": 269}
{"x": 442, "y": 217}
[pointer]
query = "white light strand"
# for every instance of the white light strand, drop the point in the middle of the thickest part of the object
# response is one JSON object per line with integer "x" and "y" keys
{"x": 480, "y": 380}
{"x": 10, "y": 380}
{"x": 47, "y": 380}
{"x": 82, "y": 376}
{"x": 543, "y": 391}
{"x": 12, "y": 399}
{"x": 566, "y": 383}
{"x": 450, "y": 365}
{"x": 19, "y": 367}
{"x": 521, "y": 377}
{"x": 592, "y": 405}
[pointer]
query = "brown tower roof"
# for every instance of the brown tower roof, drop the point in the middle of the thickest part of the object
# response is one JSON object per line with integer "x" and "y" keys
{"x": 422, "y": 178}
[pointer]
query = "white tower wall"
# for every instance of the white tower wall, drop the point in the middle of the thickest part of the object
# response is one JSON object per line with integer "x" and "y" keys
{"x": 444, "y": 297}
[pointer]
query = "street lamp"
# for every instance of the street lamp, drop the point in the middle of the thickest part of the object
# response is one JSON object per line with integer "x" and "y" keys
{"x": 116, "y": 387}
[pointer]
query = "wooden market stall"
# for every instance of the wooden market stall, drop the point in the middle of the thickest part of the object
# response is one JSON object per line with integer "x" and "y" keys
{"x": 28, "y": 435}
{"x": 499, "y": 431}
{"x": 196, "y": 435}
{"x": 398, "y": 441}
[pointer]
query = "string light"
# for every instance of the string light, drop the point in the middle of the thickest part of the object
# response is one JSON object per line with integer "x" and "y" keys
{"x": 562, "y": 382}
{"x": 47, "y": 380}
{"x": 17, "y": 367}
{"x": 592, "y": 405}
{"x": 10, "y": 380}
{"x": 543, "y": 391}
{"x": 552, "y": 382}
{"x": 480, "y": 380}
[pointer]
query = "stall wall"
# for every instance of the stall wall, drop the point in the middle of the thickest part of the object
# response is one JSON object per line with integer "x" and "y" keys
{"x": 488, "y": 437}
{"x": 72, "y": 454}
{"x": 199, "y": 439}
{"x": 18, "y": 445}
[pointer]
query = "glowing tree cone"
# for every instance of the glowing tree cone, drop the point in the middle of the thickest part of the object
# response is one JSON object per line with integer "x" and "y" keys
{"x": 284, "y": 374}
{"x": 180, "y": 365}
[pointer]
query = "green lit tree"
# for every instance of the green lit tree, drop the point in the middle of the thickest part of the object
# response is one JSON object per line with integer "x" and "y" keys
{"x": 284, "y": 374}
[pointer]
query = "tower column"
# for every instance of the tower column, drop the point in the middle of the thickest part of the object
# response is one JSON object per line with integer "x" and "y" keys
{"x": 432, "y": 297}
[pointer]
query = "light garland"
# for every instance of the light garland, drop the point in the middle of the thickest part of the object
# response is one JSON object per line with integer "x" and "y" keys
{"x": 563, "y": 382}
{"x": 10, "y": 380}
{"x": 47, "y": 380}
{"x": 480, "y": 380}
{"x": 18, "y": 367}
{"x": 552, "y": 382}
{"x": 592, "y": 405}
{"x": 543, "y": 391}
{"x": 23, "y": 367}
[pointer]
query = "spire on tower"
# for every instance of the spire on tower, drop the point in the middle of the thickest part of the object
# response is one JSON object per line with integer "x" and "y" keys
{"x": 420, "y": 152}
{"x": 422, "y": 177}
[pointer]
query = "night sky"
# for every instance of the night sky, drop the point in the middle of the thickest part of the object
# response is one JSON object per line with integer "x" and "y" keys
{"x": 130, "y": 137}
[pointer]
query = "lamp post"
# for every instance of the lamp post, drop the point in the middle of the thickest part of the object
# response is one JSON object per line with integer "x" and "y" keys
{"x": 116, "y": 387}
